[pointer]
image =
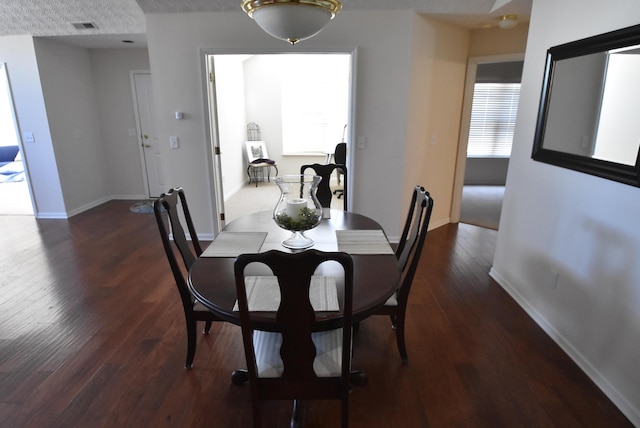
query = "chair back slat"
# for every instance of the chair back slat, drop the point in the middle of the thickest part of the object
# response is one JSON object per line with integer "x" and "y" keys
{"x": 324, "y": 189}
{"x": 295, "y": 320}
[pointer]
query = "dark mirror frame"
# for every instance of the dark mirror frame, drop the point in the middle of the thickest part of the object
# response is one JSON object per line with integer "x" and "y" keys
{"x": 627, "y": 174}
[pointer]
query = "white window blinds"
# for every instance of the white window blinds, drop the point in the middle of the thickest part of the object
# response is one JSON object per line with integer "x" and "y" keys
{"x": 493, "y": 118}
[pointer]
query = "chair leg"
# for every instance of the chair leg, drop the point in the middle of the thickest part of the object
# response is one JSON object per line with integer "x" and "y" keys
{"x": 402, "y": 347}
{"x": 345, "y": 412}
{"x": 207, "y": 327}
{"x": 296, "y": 421}
{"x": 191, "y": 343}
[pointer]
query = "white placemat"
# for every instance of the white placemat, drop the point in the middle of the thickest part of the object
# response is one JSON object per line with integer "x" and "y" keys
{"x": 363, "y": 242}
{"x": 232, "y": 244}
{"x": 263, "y": 293}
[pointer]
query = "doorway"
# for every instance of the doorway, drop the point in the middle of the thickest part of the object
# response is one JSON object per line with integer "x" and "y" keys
{"x": 147, "y": 133}
{"x": 15, "y": 195}
{"x": 301, "y": 102}
{"x": 486, "y": 133}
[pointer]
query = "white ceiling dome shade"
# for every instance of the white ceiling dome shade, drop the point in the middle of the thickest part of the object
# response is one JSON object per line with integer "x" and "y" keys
{"x": 292, "y": 20}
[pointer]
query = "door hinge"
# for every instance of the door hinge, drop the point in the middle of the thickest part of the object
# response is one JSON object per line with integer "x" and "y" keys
{"x": 211, "y": 78}
{"x": 221, "y": 216}
{"x": 216, "y": 150}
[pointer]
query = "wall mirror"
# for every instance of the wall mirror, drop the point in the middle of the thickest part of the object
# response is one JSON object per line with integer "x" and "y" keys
{"x": 589, "y": 115}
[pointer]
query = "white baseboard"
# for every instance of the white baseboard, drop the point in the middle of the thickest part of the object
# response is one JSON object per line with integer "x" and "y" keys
{"x": 601, "y": 381}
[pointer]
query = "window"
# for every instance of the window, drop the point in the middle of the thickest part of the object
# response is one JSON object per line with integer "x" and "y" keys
{"x": 493, "y": 118}
{"x": 315, "y": 102}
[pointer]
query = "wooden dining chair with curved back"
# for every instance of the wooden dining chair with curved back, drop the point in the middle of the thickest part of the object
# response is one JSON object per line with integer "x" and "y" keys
{"x": 166, "y": 209}
{"x": 324, "y": 188}
{"x": 408, "y": 251}
{"x": 291, "y": 361}
{"x": 340, "y": 158}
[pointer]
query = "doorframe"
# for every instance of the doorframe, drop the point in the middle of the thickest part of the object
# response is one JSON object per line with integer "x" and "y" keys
{"x": 211, "y": 120}
{"x": 465, "y": 122}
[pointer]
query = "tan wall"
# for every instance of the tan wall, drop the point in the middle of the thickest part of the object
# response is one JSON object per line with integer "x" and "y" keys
{"x": 435, "y": 102}
{"x": 495, "y": 41}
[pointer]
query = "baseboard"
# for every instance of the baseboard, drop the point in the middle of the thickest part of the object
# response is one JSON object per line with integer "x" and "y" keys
{"x": 51, "y": 215}
{"x": 619, "y": 400}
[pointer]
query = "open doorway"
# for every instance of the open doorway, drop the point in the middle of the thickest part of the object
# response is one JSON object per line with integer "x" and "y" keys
{"x": 15, "y": 198}
{"x": 301, "y": 103}
{"x": 489, "y": 113}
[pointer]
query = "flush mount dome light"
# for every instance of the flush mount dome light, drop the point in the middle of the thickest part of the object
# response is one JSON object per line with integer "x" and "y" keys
{"x": 507, "y": 22}
{"x": 292, "y": 20}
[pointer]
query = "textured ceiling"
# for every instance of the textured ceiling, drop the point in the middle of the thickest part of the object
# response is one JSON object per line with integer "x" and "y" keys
{"x": 118, "y": 20}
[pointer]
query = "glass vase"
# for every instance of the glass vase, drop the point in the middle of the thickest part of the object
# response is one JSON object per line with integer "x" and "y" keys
{"x": 298, "y": 208}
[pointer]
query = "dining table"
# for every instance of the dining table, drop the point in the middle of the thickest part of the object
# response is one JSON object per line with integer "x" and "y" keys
{"x": 376, "y": 273}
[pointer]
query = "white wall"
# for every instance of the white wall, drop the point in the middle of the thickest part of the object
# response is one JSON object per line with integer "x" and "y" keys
{"x": 18, "y": 52}
{"x": 68, "y": 89}
{"x": 110, "y": 69}
{"x": 584, "y": 228}
{"x": 383, "y": 39}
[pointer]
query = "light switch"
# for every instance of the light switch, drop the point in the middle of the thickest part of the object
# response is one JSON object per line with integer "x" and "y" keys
{"x": 173, "y": 142}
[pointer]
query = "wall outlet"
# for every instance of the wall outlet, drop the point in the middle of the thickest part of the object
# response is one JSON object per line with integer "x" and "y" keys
{"x": 173, "y": 142}
{"x": 362, "y": 143}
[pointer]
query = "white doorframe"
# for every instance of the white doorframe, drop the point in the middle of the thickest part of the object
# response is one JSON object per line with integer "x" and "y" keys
{"x": 210, "y": 109}
{"x": 461, "y": 161}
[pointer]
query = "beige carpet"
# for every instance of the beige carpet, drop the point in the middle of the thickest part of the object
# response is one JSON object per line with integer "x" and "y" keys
{"x": 481, "y": 205}
{"x": 252, "y": 199}
{"x": 15, "y": 199}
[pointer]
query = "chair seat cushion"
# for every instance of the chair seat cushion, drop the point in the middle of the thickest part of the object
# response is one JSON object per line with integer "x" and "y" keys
{"x": 328, "y": 361}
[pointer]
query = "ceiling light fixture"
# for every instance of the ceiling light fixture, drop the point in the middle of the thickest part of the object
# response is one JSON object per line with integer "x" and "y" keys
{"x": 292, "y": 20}
{"x": 508, "y": 21}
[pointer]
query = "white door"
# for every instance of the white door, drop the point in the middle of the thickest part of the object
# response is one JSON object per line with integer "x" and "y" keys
{"x": 147, "y": 133}
{"x": 215, "y": 145}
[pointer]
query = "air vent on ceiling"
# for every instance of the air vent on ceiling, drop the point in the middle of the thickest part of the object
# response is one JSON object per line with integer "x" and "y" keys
{"x": 84, "y": 26}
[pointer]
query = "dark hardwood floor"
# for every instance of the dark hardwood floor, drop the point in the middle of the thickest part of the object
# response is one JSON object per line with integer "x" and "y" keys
{"x": 92, "y": 335}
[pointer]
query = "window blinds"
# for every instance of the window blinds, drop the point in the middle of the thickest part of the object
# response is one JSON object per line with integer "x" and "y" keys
{"x": 493, "y": 118}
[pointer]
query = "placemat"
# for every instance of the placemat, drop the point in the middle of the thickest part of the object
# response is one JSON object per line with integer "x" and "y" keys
{"x": 232, "y": 244}
{"x": 263, "y": 293}
{"x": 363, "y": 242}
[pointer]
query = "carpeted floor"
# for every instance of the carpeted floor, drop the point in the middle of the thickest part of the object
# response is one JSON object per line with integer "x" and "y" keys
{"x": 481, "y": 205}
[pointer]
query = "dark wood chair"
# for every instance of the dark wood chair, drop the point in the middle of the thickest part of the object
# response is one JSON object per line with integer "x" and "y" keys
{"x": 340, "y": 158}
{"x": 291, "y": 361}
{"x": 408, "y": 252}
{"x": 166, "y": 210}
{"x": 324, "y": 188}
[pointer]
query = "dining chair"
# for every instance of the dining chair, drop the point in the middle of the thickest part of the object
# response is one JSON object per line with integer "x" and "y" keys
{"x": 408, "y": 251}
{"x": 340, "y": 158}
{"x": 166, "y": 209}
{"x": 324, "y": 188}
{"x": 291, "y": 361}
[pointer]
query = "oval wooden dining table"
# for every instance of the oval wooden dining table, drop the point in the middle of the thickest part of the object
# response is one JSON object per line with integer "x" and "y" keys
{"x": 376, "y": 276}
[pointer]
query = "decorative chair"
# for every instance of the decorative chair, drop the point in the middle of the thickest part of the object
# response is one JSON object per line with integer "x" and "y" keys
{"x": 408, "y": 252}
{"x": 324, "y": 188}
{"x": 166, "y": 211}
{"x": 292, "y": 362}
{"x": 258, "y": 161}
